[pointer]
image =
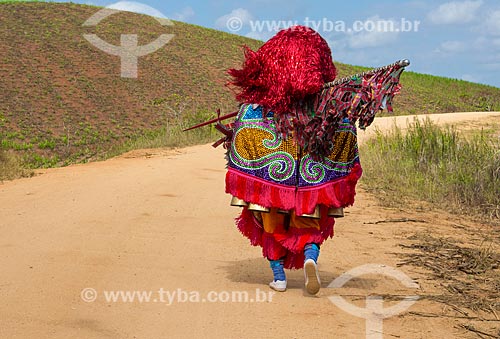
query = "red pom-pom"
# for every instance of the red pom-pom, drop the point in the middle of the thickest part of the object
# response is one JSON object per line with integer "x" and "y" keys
{"x": 287, "y": 70}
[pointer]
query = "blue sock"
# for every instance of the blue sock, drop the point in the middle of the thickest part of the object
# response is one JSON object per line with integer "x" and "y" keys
{"x": 278, "y": 270}
{"x": 311, "y": 251}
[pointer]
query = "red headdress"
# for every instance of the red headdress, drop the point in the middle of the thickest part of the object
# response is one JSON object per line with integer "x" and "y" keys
{"x": 287, "y": 76}
{"x": 285, "y": 71}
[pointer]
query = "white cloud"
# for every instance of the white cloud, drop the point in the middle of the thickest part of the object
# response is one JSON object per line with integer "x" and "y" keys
{"x": 136, "y": 7}
{"x": 455, "y": 12}
{"x": 235, "y": 20}
{"x": 486, "y": 44}
{"x": 376, "y": 32}
{"x": 263, "y": 36}
{"x": 493, "y": 66}
{"x": 471, "y": 78}
{"x": 492, "y": 24}
{"x": 452, "y": 47}
{"x": 481, "y": 42}
{"x": 342, "y": 53}
{"x": 356, "y": 58}
{"x": 417, "y": 4}
{"x": 185, "y": 14}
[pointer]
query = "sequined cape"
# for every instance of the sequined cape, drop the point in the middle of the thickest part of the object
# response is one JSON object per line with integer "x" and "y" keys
{"x": 265, "y": 169}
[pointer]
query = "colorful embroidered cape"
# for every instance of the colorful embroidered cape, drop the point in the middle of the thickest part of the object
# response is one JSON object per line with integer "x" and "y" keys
{"x": 265, "y": 169}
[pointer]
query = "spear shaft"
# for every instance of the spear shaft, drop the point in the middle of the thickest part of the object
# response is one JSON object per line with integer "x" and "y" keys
{"x": 224, "y": 117}
{"x": 401, "y": 63}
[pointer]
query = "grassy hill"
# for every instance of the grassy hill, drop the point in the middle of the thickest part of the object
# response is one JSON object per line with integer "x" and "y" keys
{"x": 62, "y": 100}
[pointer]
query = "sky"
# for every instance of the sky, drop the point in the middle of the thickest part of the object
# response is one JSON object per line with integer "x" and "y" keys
{"x": 457, "y": 39}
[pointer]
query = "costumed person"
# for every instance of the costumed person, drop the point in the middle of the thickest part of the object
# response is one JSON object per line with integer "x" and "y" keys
{"x": 292, "y": 150}
{"x": 286, "y": 180}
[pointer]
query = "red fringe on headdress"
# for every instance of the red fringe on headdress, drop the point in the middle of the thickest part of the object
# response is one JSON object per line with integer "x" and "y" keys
{"x": 337, "y": 193}
{"x": 287, "y": 244}
{"x": 286, "y": 76}
{"x": 287, "y": 69}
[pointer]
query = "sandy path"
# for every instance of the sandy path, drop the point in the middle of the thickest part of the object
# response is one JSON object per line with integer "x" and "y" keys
{"x": 163, "y": 221}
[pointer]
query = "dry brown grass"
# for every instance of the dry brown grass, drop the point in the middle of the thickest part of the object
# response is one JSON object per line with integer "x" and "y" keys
{"x": 11, "y": 167}
{"x": 466, "y": 268}
{"x": 469, "y": 273}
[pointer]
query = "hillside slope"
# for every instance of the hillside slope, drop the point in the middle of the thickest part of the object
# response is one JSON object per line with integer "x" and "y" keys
{"x": 62, "y": 100}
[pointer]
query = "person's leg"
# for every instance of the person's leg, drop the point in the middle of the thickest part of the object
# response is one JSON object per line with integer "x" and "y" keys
{"x": 275, "y": 253}
{"x": 312, "y": 281}
{"x": 311, "y": 253}
{"x": 279, "y": 282}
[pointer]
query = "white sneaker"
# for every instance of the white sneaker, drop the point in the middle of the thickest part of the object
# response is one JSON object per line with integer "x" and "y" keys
{"x": 278, "y": 285}
{"x": 313, "y": 284}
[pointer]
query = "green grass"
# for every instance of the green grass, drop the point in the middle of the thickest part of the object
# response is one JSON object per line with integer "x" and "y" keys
{"x": 17, "y": 1}
{"x": 171, "y": 136}
{"x": 452, "y": 170}
{"x": 423, "y": 93}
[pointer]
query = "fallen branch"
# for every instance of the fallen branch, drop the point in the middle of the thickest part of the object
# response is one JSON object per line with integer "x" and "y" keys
{"x": 396, "y": 220}
{"x": 473, "y": 329}
{"x": 433, "y": 315}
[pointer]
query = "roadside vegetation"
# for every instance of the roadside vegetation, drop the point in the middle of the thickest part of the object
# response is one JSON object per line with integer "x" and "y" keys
{"x": 457, "y": 171}
{"x": 453, "y": 169}
{"x": 12, "y": 167}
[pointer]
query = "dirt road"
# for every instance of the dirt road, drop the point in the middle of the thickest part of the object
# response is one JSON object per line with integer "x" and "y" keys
{"x": 160, "y": 221}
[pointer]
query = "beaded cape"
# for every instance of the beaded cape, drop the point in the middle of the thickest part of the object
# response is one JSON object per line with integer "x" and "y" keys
{"x": 266, "y": 169}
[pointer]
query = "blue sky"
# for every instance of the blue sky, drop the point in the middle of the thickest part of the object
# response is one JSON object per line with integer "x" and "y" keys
{"x": 458, "y": 39}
